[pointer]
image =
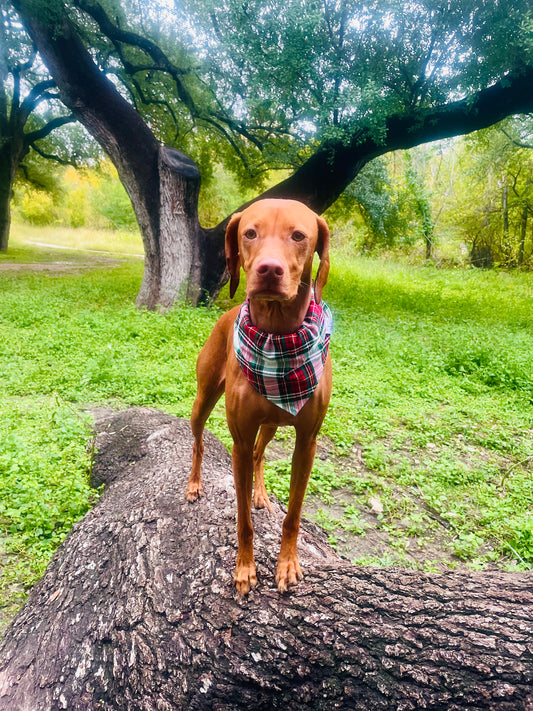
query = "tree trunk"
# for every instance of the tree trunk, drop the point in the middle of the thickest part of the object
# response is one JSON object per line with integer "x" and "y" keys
{"x": 506, "y": 245}
{"x": 179, "y": 229}
{"x": 523, "y": 224}
{"x": 6, "y": 190}
{"x": 428, "y": 238}
{"x": 12, "y": 153}
{"x": 137, "y": 610}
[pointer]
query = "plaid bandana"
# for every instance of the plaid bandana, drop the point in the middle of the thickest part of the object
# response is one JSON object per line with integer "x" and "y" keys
{"x": 284, "y": 368}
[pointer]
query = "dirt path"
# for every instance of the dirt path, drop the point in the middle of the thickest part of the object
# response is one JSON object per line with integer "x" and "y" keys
{"x": 82, "y": 260}
{"x": 79, "y": 249}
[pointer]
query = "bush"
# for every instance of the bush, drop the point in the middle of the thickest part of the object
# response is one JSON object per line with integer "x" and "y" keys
{"x": 111, "y": 201}
{"x": 82, "y": 198}
{"x": 37, "y": 207}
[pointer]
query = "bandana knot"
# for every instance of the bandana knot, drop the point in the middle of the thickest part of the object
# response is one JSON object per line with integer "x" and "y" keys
{"x": 284, "y": 368}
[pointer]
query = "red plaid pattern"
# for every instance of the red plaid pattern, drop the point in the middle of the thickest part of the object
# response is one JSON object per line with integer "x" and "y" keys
{"x": 284, "y": 368}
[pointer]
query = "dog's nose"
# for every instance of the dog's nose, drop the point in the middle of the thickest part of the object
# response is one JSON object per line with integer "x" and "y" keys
{"x": 270, "y": 268}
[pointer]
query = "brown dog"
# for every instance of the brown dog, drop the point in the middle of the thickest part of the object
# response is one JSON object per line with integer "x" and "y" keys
{"x": 274, "y": 241}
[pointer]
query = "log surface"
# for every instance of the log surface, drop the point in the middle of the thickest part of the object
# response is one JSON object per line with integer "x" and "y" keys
{"x": 137, "y": 609}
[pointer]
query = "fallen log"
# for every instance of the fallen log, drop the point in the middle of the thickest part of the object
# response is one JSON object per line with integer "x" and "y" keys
{"x": 137, "y": 609}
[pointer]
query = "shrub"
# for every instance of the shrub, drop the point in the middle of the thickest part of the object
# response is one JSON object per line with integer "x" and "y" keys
{"x": 37, "y": 207}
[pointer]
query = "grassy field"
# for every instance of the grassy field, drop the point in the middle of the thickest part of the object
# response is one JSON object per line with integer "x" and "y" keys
{"x": 426, "y": 454}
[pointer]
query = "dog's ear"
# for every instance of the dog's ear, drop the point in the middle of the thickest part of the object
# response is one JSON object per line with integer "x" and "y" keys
{"x": 322, "y": 248}
{"x": 233, "y": 260}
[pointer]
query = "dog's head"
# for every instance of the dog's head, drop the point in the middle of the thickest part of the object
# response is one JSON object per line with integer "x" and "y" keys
{"x": 274, "y": 241}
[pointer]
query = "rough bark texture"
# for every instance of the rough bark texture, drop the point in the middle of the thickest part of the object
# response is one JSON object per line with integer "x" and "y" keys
{"x": 137, "y": 609}
{"x": 180, "y": 240}
{"x": 11, "y": 155}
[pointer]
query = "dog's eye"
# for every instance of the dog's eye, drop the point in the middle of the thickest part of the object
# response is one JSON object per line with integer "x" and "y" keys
{"x": 250, "y": 234}
{"x": 298, "y": 236}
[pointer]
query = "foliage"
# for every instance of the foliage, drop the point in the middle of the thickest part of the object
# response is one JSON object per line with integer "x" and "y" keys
{"x": 328, "y": 69}
{"x": 501, "y": 171}
{"x": 392, "y": 196}
{"x": 111, "y": 201}
{"x": 262, "y": 85}
{"x": 380, "y": 202}
{"x": 420, "y": 197}
{"x": 43, "y": 465}
{"x": 92, "y": 197}
{"x": 95, "y": 198}
{"x": 467, "y": 197}
{"x": 44, "y": 487}
{"x": 37, "y": 207}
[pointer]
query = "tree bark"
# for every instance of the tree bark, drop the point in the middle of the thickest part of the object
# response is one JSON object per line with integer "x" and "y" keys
{"x": 12, "y": 153}
{"x": 137, "y": 609}
{"x": 6, "y": 190}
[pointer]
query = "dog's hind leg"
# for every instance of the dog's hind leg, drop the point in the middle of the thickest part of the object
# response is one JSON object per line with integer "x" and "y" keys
{"x": 266, "y": 433}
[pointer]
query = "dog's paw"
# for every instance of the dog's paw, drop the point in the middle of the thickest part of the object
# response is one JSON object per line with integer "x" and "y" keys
{"x": 194, "y": 492}
{"x": 261, "y": 500}
{"x": 288, "y": 573}
{"x": 245, "y": 577}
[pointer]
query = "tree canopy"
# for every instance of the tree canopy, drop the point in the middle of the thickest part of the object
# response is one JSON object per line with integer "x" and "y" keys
{"x": 318, "y": 87}
{"x": 328, "y": 69}
{"x": 280, "y": 79}
{"x": 34, "y": 123}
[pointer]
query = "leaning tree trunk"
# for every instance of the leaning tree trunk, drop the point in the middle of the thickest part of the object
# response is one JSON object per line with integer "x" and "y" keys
{"x": 162, "y": 183}
{"x": 137, "y": 610}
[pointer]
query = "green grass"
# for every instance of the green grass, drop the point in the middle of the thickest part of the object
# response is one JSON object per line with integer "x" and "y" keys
{"x": 433, "y": 377}
{"x": 44, "y": 486}
{"x": 431, "y": 413}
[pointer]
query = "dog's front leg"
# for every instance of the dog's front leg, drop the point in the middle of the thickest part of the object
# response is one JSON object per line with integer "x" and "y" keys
{"x": 245, "y": 573}
{"x": 288, "y": 570}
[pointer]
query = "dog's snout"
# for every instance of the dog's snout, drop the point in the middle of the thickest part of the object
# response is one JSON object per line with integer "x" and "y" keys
{"x": 270, "y": 268}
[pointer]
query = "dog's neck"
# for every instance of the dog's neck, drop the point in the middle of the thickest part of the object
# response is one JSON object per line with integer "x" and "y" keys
{"x": 280, "y": 317}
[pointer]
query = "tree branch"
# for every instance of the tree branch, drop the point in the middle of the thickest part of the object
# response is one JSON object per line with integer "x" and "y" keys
{"x": 45, "y": 130}
{"x": 38, "y": 93}
{"x": 324, "y": 176}
{"x": 520, "y": 144}
{"x": 53, "y": 156}
{"x": 15, "y": 98}
{"x": 161, "y": 63}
